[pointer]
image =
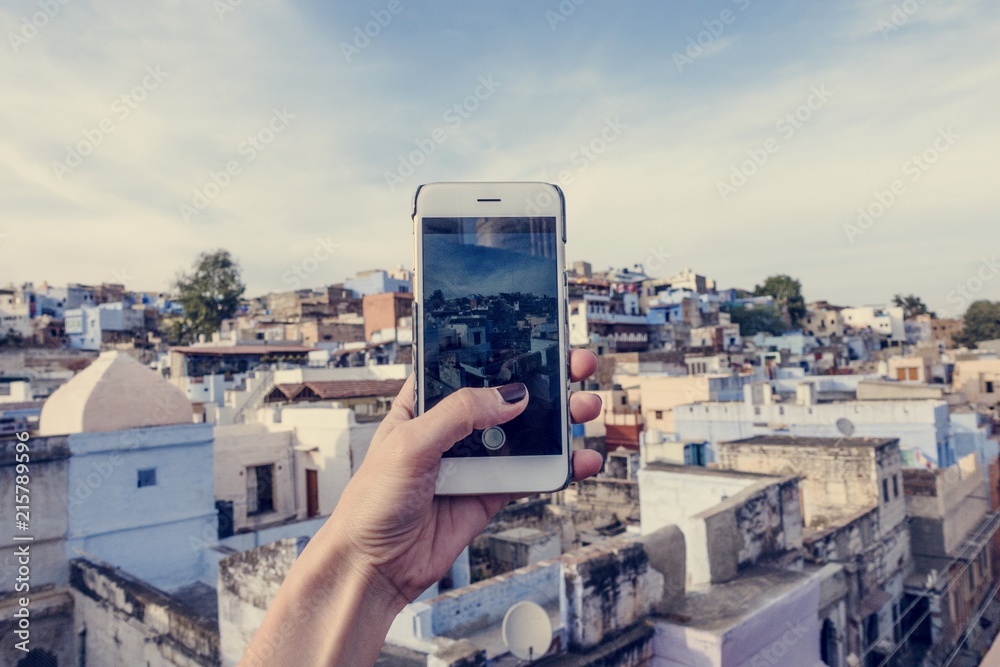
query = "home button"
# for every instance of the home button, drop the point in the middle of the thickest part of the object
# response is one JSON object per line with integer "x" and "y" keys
{"x": 494, "y": 437}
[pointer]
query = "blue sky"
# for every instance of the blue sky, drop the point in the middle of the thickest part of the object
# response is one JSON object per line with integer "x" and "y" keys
{"x": 670, "y": 98}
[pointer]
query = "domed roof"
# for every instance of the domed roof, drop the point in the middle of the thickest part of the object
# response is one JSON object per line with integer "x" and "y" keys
{"x": 114, "y": 393}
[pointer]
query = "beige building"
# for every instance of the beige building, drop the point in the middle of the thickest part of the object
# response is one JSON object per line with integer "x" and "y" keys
{"x": 660, "y": 394}
{"x": 909, "y": 369}
{"x": 978, "y": 381}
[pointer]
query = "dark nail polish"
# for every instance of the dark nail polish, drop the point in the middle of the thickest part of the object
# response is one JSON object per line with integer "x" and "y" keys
{"x": 512, "y": 393}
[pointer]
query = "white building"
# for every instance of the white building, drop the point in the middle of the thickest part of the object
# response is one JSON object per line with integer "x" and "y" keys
{"x": 140, "y": 473}
{"x": 86, "y": 326}
{"x": 15, "y": 313}
{"x": 887, "y": 321}
{"x": 920, "y": 424}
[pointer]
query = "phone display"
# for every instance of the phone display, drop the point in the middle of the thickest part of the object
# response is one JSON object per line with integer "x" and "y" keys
{"x": 491, "y": 317}
{"x": 490, "y": 309}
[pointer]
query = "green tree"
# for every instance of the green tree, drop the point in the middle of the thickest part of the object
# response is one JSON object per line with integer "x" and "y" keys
{"x": 912, "y": 305}
{"x": 209, "y": 294}
{"x": 787, "y": 291}
{"x": 753, "y": 321}
{"x": 981, "y": 322}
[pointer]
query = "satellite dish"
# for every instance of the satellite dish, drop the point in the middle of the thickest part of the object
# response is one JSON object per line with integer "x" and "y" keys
{"x": 527, "y": 631}
{"x": 845, "y": 426}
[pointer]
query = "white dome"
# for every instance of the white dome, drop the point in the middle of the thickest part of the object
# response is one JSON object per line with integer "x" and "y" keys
{"x": 114, "y": 393}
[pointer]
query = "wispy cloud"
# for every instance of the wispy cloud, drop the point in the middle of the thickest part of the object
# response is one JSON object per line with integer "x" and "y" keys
{"x": 656, "y": 185}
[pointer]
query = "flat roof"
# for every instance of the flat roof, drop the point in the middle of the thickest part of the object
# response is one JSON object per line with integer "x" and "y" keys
{"x": 811, "y": 441}
{"x": 230, "y": 350}
{"x": 663, "y": 466}
{"x": 328, "y": 390}
{"x": 719, "y": 607}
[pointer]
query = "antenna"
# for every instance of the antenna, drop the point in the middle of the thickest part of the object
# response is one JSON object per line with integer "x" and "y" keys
{"x": 845, "y": 426}
{"x": 527, "y": 631}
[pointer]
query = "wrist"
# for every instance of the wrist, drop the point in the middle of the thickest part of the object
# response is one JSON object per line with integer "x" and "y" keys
{"x": 333, "y": 608}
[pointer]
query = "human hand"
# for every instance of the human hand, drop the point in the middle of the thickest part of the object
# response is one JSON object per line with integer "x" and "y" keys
{"x": 390, "y": 537}
{"x": 390, "y": 513}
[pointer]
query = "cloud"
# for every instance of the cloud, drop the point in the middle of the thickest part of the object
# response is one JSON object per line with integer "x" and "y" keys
{"x": 655, "y": 185}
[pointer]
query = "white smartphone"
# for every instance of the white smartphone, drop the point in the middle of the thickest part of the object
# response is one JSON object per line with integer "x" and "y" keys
{"x": 490, "y": 309}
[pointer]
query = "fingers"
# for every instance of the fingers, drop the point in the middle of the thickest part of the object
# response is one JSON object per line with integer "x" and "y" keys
{"x": 584, "y": 406}
{"x": 586, "y": 463}
{"x": 458, "y": 414}
{"x": 582, "y": 364}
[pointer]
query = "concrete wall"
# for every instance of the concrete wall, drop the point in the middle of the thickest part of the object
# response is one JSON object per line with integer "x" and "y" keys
{"x": 50, "y": 629}
{"x": 130, "y": 623}
{"x": 239, "y": 446}
{"x": 47, "y": 461}
{"x": 945, "y": 505}
{"x": 338, "y": 440}
{"x": 970, "y": 379}
{"x": 606, "y": 588}
{"x": 602, "y": 592}
{"x": 919, "y": 424}
{"x": 728, "y": 521}
{"x": 839, "y": 479}
{"x": 777, "y": 629}
{"x": 147, "y": 531}
{"x": 619, "y": 497}
{"x": 248, "y": 583}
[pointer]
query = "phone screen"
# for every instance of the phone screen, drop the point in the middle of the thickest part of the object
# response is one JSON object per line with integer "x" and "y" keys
{"x": 490, "y": 316}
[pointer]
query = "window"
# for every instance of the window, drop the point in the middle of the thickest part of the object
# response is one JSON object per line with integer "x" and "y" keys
{"x": 260, "y": 489}
{"x": 989, "y": 386}
{"x": 895, "y": 486}
{"x": 146, "y": 477}
{"x": 659, "y": 414}
{"x": 885, "y": 490}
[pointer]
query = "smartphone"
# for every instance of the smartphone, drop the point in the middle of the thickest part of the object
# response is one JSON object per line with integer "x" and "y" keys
{"x": 490, "y": 298}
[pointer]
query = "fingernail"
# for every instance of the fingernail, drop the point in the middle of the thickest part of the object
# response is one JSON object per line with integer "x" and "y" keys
{"x": 512, "y": 393}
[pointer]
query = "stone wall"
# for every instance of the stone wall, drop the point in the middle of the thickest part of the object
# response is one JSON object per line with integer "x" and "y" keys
{"x": 248, "y": 581}
{"x": 129, "y": 622}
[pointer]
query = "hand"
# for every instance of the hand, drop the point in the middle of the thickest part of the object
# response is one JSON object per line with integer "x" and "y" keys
{"x": 395, "y": 522}
{"x": 390, "y": 538}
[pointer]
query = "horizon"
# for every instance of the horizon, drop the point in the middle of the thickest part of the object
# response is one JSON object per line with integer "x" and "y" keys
{"x": 846, "y": 145}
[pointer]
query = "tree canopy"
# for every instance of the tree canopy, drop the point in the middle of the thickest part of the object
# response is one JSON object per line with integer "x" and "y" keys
{"x": 981, "y": 322}
{"x": 753, "y": 321}
{"x": 911, "y": 304}
{"x": 211, "y": 293}
{"x": 787, "y": 291}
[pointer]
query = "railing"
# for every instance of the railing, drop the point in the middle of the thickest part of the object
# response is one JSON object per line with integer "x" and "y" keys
{"x": 256, "y": 397}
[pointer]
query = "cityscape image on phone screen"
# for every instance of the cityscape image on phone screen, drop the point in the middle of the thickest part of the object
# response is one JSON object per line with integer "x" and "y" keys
{"x": 491, "y": 317}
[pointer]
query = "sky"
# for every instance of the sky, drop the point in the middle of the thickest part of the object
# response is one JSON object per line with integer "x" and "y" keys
{"x": 850, "y": 144}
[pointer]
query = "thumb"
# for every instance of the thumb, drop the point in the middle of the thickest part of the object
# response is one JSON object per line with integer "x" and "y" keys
{"x": 455, "y": 417}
